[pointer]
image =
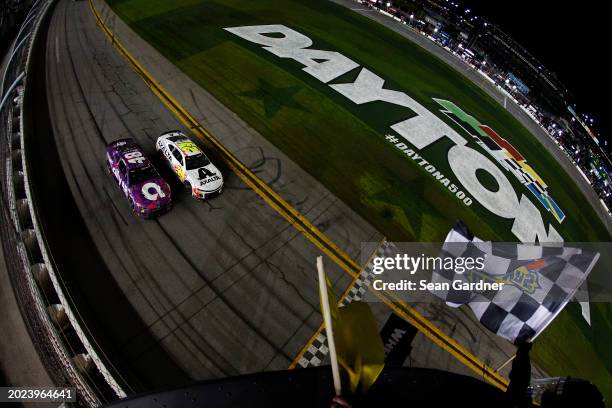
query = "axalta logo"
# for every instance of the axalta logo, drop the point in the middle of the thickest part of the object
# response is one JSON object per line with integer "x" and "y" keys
{"x": 421, "y": 130}
{"x": 210, "y": 179}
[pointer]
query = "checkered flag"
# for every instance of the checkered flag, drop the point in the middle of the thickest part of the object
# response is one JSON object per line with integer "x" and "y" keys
{"x": 538, "y": 282}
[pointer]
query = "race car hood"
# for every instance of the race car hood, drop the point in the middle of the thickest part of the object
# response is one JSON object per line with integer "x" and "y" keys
{"x": 206, "y": 178}
{"x": 153, "y": 193}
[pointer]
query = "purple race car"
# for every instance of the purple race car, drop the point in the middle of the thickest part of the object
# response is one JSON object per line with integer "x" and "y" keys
{"x": 144, "y": 188}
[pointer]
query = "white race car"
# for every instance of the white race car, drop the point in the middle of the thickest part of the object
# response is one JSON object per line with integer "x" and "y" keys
{"x": 190, "y": 164}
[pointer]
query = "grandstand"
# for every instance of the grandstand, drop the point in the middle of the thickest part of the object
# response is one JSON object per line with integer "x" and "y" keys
{"x": 520, "y": 75}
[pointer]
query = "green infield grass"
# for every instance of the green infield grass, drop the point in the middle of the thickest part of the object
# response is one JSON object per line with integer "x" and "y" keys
{"x": 343, "y": 145}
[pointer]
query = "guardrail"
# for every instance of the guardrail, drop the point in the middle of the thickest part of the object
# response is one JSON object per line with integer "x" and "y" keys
{"x": 67, "y": 353}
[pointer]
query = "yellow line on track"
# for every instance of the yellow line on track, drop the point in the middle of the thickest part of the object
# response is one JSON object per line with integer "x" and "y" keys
{"x": 299, "y": 222}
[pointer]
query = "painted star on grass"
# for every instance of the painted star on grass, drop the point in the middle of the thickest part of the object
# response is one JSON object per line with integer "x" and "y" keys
{"x": 418, "y": 216}
{"x": 273, "y": 98}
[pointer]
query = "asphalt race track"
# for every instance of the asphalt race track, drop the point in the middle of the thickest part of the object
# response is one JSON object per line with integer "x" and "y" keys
{"x": 211, "y": 289}
{"x": 227, "y": 286}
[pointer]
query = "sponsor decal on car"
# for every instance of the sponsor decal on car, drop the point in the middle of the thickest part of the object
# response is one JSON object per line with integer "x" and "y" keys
{"x": 188, "y": 147}
{"x": 209, "y": 179}
{"x": 152, "y": 191}
{"x": 134, "y": 157}
{"x": 179, "y": 172}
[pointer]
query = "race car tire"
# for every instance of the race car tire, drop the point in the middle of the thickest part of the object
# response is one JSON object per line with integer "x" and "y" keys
{"x": 189, "y": 187}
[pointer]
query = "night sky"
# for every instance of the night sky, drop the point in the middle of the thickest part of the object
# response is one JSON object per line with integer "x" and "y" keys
{"x": 570, "y": 38}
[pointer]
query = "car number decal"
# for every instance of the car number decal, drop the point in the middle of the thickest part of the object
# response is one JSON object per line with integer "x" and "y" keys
{"x": 188, "y": 147}
{"x": 134, "y": 157}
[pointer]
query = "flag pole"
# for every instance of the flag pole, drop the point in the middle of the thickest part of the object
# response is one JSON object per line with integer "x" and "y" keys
{"x": 328, "y": 326}
{"x": 505, "y": 363}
